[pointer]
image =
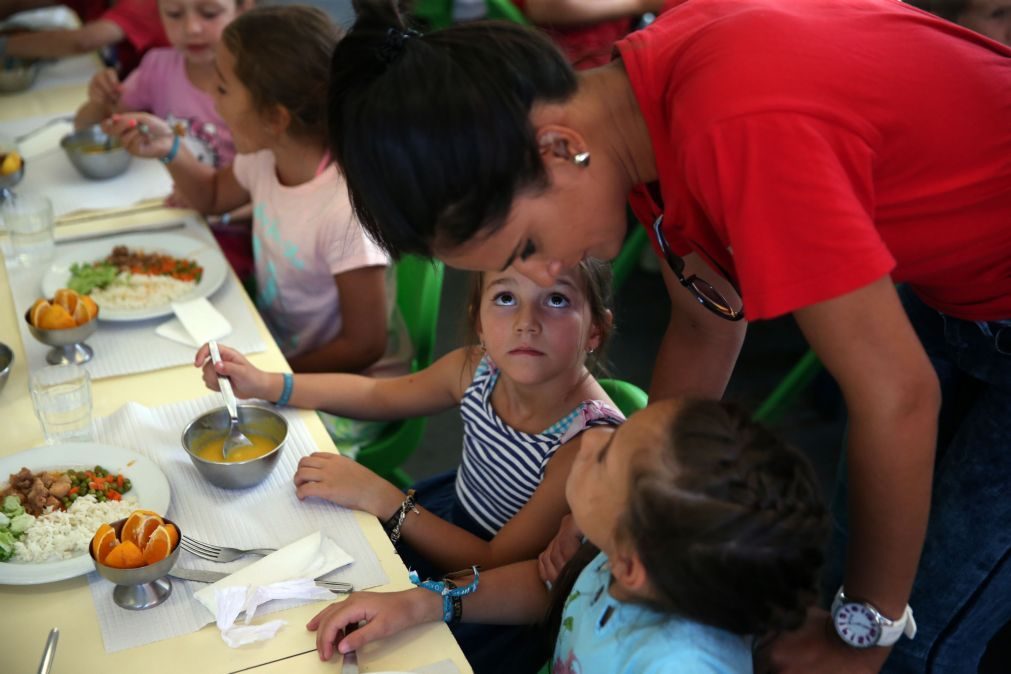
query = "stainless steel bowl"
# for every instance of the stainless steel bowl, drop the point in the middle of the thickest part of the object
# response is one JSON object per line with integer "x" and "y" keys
{"x": 17, "y": 74}
{"x": 213, "y": 425}
{"x": 68, "y": 343}
{"x": 94, "y": 155}
{"x": 144, "y": 586}
{"x": 6, "y": 364}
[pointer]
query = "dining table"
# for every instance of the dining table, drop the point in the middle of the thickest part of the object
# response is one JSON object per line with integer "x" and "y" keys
{"x": 29, "y": 612}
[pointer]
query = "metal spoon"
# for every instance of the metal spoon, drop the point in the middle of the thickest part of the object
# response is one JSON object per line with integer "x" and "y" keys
{"x": 235, "y": 437}
{"x": 49, "y": 654}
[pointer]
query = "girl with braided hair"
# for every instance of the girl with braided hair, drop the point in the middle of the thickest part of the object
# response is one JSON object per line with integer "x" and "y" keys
{"x": 703, "y": 530}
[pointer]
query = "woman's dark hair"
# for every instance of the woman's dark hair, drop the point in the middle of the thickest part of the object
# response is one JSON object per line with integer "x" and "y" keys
{"x": 946, "y": 9}
{"x": 433, "y": 132}
{"x": 594, "y": 277}
{"x": 727, "y": 519}
{"x": 281, "y": 57}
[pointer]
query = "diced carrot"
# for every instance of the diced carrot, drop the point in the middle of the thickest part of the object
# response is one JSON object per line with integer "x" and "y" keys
{"x": 119, "y": 480}
{"x": 73, "y": 490}
{"x": 113, "y": 495}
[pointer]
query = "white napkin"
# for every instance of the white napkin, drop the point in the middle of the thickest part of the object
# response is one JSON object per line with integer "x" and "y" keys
{"x": 196, "y": 322}
{"x": 285, "y": 574}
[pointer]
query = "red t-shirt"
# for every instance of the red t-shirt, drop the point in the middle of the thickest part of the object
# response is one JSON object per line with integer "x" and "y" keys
{"x": 586, "y": 46}
{"x": 139, "y": 20}
{"x": 811, "y": 147}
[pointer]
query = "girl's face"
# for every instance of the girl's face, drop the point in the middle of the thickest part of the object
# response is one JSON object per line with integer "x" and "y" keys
{"x": 234, "y": 103}
{"x": 991, "y": 18}
{"x": 194, "y": 26}
{"x": 536, "y": 334}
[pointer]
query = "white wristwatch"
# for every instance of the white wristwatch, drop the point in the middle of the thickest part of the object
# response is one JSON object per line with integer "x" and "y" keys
{"x": 861, "y": 625}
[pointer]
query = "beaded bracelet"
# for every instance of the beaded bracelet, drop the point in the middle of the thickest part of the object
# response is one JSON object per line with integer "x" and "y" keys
{"x": 396, "y": 521}
{"x": 167, "y": 159}
{"x": 289, "y": 384}
{"x": 452, "y": 596}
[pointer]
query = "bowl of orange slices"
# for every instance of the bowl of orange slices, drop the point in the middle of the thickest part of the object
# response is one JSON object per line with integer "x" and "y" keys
{"x": 137, "y": 554}
{"x": 64, "y": 322}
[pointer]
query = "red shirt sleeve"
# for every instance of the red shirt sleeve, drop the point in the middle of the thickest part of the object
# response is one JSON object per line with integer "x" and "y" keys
{"x": 140, "y": 21}
{"x": 792, "y": 196}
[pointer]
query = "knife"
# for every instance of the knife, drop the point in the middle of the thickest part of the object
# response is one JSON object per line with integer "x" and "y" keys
{"x": 201, "y": 576}
{"x": 349, "y": 664}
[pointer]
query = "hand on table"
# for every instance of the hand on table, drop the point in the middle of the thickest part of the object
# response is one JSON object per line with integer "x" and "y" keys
{"x": 386, "y": 613}
{"x": 142, "y": 134}
{"x": 814, "y": 647}
{"x": 177, "y": 199}
{"x": 560, "y": 550}
{"x": 345, "y": 482}
{"x": 104, "y": 89}
{"x": 248, "y": 381}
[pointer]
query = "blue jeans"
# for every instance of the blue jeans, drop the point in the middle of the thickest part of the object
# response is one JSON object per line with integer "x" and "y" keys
{"x": 962, "y": 592}
{"x": 510, "y": 649}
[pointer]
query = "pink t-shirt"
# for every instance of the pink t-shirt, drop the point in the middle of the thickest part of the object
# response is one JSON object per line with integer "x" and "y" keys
{"x": 159, "y": 85}
{"x": 302, "y": 237}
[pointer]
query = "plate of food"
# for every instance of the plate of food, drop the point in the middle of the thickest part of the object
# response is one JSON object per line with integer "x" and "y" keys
{"x": 54, "y": 498}
{"x": 137, "y": 276}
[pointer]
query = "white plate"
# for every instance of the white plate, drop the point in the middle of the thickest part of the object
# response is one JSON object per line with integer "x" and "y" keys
{"x": 206, "y": 254}
{"x": 149, "y": 488}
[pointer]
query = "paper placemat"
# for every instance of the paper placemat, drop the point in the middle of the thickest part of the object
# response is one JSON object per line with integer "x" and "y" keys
{"x": 130, "y": 347}
{"x": 268, "y": 515}
{"x": 48, "y": 171}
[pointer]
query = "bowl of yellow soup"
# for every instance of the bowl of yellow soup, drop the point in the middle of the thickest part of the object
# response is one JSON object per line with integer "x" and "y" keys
{"x": 204, "y": 437}
{"x": 94, "y": 154}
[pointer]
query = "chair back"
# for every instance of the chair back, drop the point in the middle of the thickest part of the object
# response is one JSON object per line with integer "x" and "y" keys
{"x": 627, "y": 396}
{"x": 419, "y": 287}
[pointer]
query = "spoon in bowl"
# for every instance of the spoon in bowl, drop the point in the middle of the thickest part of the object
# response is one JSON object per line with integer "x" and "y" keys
{"x": 235, "y": 437}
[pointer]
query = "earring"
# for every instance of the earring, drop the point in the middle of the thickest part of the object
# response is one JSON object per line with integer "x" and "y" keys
{"x": 589, "y": 351}
{"x": 482, "y": 345}
{"x": 582, "y": 159}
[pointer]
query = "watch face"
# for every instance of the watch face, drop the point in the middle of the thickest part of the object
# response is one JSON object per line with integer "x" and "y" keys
{"x": 857, "y": 625}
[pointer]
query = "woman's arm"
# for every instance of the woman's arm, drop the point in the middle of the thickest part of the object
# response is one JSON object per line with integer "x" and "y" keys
{"x": 509, "y": 595}
{"x": 362, "y": 339}
{"x": 699, "y": 349}
{"x": 565, "y": 12}
{"x": 892, "y": 397}
{"x": 61, "y": 43}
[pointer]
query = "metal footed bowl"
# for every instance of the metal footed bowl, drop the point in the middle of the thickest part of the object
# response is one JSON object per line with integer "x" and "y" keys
{"x": 68, "y": 343}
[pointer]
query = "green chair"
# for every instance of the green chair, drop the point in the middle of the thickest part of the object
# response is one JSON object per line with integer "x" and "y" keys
{"x": 436, "y": 14}
{"x": 627, "y": 396}
{"x": 796, "y": 380}
{"x": 419, "y": 289}
{"x": 627, "y": 259}
{"x": 503, "y": 10}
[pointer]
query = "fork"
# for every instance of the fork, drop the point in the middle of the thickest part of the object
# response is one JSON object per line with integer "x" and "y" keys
{"x": 218, "y": 553}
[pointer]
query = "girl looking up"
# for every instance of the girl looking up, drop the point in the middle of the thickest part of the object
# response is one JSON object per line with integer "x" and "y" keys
{"x": 319, "y": 279}
{"x": 703, "y": 529}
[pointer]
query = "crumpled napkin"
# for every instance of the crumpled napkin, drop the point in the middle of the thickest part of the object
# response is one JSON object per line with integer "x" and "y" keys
{"x": 285, "y": 574}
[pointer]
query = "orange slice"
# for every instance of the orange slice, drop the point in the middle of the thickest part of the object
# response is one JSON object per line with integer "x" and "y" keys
{"x": 103, "y": 542}
{"x": 139, "y": 525}
{"x": 56, "y": 318}
{"x": 66, "y": 298}
{"x": 158, "y": 547}
{"x": 125, "y": 556}
{"x": 92, "y": 307}
{"x": 82, "y": 314}
{"x": 40, "y": 307}
{"x": 173, "y": 535}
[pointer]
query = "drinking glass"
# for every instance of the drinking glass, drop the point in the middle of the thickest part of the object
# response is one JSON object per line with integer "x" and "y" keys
{"x": 29, "y": 220}
{"x": 61, "y": 395}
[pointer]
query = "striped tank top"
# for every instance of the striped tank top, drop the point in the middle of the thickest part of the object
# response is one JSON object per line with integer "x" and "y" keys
{"x": 502, "y": 467}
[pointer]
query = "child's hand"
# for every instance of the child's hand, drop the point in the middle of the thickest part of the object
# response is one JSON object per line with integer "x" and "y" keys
{"x": 248, "y": 381}
{"x": 104, "y": 89}
{"x": 560, "y": 550}
{"x": 345, "y": 482}
{"x": 386, "y": 612}
{"x": 142, "y": 135}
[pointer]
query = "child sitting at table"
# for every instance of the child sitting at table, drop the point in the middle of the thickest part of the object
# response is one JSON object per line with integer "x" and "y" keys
{"x": 703, "y": 530}
{"x": 319, "y": 278}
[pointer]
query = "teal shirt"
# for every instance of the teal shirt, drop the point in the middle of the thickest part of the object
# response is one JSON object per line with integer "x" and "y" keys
{"x": 601, "y": 634}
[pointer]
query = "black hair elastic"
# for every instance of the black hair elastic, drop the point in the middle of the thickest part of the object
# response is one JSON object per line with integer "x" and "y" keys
{"x": 393, "y": 45}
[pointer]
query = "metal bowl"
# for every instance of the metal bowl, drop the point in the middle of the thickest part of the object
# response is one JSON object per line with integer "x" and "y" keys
{"x": 94, "y": 154}
{"x": 68, "y": 343}
{"x": 6, "y": 364}
{"x": 144, "y": 586}
{"x": 18, "y": 74}
{"x": 213, "y": 425}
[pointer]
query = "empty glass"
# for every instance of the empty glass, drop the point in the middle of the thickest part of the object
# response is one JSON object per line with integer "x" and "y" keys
{"x": 61, "y": 395}
{"x": 28, "y": 218}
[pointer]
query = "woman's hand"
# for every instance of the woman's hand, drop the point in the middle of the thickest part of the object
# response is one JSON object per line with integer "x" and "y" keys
{"x": 560, "y": 550}
{"x": 142, "y": 135}
{"x": 345, "y": 482}
{"x": 248, "y": 381}
{"x": 386, "y": 613}
{"x": 104, "y": 89}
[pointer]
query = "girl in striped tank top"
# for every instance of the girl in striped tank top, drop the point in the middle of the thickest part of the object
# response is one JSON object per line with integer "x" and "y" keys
{"x": 527, "y": 401}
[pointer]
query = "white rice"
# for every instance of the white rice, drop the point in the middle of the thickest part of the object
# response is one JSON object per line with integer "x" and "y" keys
{"x": 62, "y": 534}
{"x": 140, "y": 291}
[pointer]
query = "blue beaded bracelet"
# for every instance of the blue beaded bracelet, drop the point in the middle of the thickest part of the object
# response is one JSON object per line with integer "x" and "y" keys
{"x": 172, "y": 152}
{"x": 452, "y": 606}
{"x": 289, "y": 384}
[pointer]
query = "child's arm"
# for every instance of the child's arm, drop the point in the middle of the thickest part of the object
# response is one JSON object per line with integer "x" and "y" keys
{"x": 206, "y": 189}
{"x": 362, "y": 339}
{"x": 510, "y": 595}
{"x": 61, "y": 43}
{"x": 573, "y": 12}
{"x": 104, "y": 91}
{"x": 436, "y": 388}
